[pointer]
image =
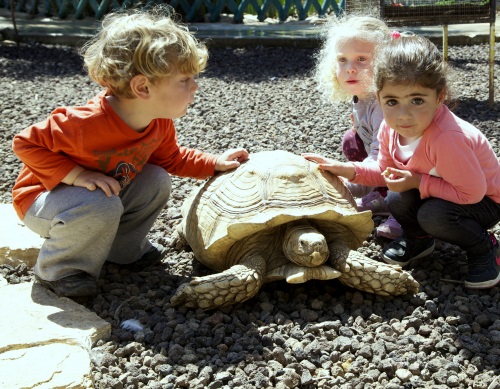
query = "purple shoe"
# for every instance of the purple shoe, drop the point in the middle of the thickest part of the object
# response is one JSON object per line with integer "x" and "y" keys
{"x": 374, "y": 202}
{"x": 390, "y": 229}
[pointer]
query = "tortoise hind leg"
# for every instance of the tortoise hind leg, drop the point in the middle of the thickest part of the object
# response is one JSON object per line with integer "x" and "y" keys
{"x": 234, "y": 285}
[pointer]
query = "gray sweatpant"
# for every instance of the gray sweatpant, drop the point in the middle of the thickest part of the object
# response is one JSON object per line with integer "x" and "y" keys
{"x": 83, "y": 228}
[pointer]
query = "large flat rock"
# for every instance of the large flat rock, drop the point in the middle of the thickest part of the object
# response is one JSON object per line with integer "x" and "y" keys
{"x": 45, "y": 339}
{"x": 47, "y": 366}
{"x": 18, "y": 244}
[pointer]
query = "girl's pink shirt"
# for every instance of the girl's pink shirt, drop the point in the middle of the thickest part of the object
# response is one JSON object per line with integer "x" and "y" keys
{"x": 467, "y": 166}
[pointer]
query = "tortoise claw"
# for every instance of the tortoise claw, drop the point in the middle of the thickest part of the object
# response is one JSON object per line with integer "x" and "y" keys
{"x": 294, "y": 274}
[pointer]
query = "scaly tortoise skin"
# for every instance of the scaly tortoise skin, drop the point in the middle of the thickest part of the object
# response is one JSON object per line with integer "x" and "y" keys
{"x": 278, "y": 217}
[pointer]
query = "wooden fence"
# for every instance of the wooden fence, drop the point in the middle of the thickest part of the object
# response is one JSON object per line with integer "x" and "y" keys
{"x": 191, "y": 10}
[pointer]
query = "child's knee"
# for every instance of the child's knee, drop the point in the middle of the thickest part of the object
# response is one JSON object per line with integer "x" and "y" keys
{"x": 158, "y": 179}
{"x": 432, "y": 215}
{"x": 353, "y": 147}
{"x": 104, "y": 207}
{"x": 163, "y": 179}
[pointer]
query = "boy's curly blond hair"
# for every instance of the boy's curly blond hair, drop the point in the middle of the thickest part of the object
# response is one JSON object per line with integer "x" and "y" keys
{"x": 141, "y": 41}
{"x": 339, "y": 30}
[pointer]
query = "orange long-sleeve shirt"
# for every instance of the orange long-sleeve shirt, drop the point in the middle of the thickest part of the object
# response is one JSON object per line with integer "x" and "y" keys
{"x": 94, "y": 137}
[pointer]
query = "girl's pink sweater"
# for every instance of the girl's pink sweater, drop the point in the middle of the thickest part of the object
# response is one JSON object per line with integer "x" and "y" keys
{"x": 466, "y": 164}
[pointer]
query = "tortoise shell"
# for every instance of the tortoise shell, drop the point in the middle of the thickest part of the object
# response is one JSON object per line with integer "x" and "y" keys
{"x": 269, "y": 189}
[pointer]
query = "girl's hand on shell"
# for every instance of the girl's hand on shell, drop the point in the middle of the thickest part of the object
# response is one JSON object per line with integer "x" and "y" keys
{"x": 343, "y": 169}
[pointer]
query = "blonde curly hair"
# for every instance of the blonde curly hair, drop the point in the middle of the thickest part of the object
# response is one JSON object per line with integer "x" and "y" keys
{"x": 141, "y": 41}
{"x": 339, "y": 30}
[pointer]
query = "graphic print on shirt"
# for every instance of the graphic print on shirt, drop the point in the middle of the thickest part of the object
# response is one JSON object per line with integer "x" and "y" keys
{"x": 123, "y": 173}
{"x": 126, "y": 163}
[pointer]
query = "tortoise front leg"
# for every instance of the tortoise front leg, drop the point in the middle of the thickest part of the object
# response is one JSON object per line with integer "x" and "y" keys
{"x": 366, "y": 274}
{"x": 234, "y": 285}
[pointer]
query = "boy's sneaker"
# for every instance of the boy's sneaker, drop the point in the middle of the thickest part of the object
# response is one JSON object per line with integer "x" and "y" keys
{"x": 390, "y": 229}
{"x": 374, "y": 202}
{"x": 484, "y": 270}
{"x": 403, "y": 250}
{"x": 77, "y": 285}
{"x": 153, "y": 256}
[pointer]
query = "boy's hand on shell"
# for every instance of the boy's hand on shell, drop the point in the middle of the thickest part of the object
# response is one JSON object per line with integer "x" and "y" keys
{"x": 93, "y": 180}
{"x": 231, "y": 159}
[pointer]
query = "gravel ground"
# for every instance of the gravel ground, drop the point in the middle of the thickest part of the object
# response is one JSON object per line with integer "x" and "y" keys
{"x": 316, "y": 335}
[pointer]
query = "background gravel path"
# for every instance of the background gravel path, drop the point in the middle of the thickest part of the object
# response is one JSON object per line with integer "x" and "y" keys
{"x": 316, "y": 335}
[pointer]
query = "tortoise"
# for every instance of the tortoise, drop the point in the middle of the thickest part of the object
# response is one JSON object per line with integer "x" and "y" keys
{"x": 278, "y": 217}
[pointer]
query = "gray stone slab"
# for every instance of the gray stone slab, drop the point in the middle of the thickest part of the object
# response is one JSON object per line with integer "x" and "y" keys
{"x": 46, "y": 366}
{"x": 45, "y": 340}
{"x": 18, "y": 244}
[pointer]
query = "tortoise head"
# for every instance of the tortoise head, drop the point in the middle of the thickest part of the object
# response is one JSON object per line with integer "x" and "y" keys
{"x": 304, "y": 245}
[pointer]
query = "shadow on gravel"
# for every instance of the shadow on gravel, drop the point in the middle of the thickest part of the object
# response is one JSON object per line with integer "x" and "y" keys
{"x": 313, "y": 323}
{"x": 476, "y": 111}
{"x": 465, "y": 63}
{"x": 252, "y": 64}
{"x": 259, "y": 64}
{"x": 32, "y": 60}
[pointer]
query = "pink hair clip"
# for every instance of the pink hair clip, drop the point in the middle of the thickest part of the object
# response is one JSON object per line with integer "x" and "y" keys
{"x": 395, "y": 34}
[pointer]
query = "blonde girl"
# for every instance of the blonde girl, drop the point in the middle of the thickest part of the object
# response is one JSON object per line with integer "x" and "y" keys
{"x": 344, "y": 73}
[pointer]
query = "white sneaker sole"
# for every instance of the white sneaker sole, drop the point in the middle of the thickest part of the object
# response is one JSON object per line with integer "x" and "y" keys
{"x": 482, "y": 285}
{"x": 402, "y": 264}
